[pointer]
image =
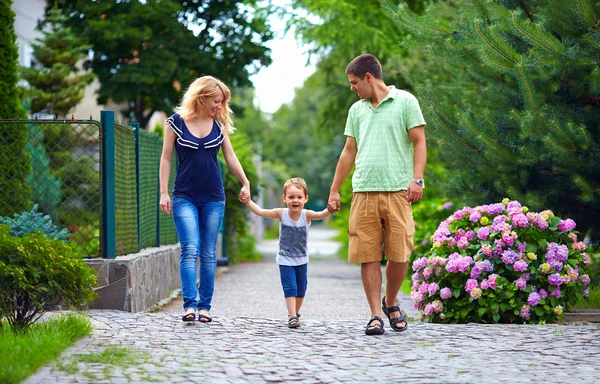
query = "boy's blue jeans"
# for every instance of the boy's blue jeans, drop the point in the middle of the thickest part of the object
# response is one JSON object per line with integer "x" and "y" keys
{"x": 197, "y": 226}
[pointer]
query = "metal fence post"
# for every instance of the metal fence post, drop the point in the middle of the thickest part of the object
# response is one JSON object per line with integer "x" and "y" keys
{"x": 158, "y": 198}
{"x": 136, "y": 128}
{"x": 109, "y": 243}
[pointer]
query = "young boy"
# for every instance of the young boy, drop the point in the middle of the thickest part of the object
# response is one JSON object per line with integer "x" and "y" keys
{"x": 292, "y": 254}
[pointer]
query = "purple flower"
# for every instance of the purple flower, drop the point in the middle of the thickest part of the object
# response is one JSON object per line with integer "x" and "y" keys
{"x": 484, "y": 285}
{"x": 475, "y": 216}
{"x": 520, "y": 220}
{"x": 433, "y": 288}
{"x": 445, "y": 293}
{"x": 520, "y": 266}
{"x": 427, "y": 273}
{"x": 556, "y": 293}
{"x": 585, "y": 279}
{"x": 421, "y": 262}
{"x": 471, "y": 283}
{"x": 428, "y": 309}
{"x": 534, "y": 299}
{"x": 475, "y": 272}
{"x": 492, "y": 281}
{"x": 483, "y": 233}
{"x": 447, "y": 205}
{"x": 521, "y": 283}
{"x": 541, "y": 223}
{"x": 509, "y": 256}
{"x": 555, "y": 279}
{"x": 543, "y": 293}
{"x": 525, "y": 312}
{"x": 566, "y": 225}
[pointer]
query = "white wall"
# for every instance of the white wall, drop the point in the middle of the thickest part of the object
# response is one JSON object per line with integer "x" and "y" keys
{"x": 27, "y": 14}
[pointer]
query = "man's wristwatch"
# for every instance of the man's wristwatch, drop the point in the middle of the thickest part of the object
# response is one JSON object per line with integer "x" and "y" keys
{"x": 421, "y": 182}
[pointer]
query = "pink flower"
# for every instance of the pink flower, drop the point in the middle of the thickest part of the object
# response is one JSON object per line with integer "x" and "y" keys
{"x": 525, "y": 312}
{"x": 484, "y": 285}
{"x": 520, "y": 266}
{"x": 433, "y": 288}
{"x": 566, "y": 225}
{"x": 476, "y": 293}
{"x": 445, "y": 293}
{"x": 471, "y": 283}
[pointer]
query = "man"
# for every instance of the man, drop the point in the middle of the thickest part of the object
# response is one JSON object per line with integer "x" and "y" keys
{"x": 386, "y": 142}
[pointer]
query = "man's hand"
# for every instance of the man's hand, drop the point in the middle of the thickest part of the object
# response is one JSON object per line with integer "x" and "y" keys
{"x": 334, "y": 204}
{"x": 415, "y": 192}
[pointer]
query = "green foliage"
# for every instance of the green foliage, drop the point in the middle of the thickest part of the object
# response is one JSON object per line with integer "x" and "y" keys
{"x": 236, "y": 219}
{"x": 57, "y": 86}
{"x": 38, "y": 273}
{"x": 511, "y": 88}
{"x": 13, "y": 173}
{"x": 427, "y": 214}
{"x": 10, "y": 107}
{"x": 33, "y": 221}
{"x": 159, "y": 130}
{"x": 146, "y": 52}
{"x": 44, "y": 185}
{"x": 23, "y": 353}
{"x": 501, "y": 263}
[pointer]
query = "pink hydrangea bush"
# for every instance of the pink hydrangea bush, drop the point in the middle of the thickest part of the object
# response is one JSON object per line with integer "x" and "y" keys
{"x": 500, "y": 263}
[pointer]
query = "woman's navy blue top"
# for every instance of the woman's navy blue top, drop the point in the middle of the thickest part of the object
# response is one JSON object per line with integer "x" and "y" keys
{"x": 198, "y": 177}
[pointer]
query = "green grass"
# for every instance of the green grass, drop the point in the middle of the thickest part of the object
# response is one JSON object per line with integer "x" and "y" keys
{"x": 23, "y": 353}
{"x": 593, "y": 301}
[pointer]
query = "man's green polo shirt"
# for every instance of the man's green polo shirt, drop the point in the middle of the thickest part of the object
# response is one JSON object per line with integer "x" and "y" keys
{"x": 384, "y": 161}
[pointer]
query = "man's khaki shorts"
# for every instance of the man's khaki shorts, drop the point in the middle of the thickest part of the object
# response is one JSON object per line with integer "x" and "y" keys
{"x": 380, "y": 221}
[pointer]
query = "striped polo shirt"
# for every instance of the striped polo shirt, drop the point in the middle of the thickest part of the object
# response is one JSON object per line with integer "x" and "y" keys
{"x": 384, "y": 161}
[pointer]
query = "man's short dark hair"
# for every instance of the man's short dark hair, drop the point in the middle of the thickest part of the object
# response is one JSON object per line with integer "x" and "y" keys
{"x": 363, "y": 64}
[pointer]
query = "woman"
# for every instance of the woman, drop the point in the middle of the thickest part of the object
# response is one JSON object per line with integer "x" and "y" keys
{"x": 198, "y": 130}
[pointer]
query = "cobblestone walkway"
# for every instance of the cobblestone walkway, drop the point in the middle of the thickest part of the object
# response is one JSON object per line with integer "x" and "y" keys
{"x": 249, "y": 342}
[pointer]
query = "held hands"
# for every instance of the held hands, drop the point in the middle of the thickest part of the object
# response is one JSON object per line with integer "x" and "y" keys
{"x": 244, "y": 195}
{"x": 334, "y": 202}
{"x": 165, "y": 203}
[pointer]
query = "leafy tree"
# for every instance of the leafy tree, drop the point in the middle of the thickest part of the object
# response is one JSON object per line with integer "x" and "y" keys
{"x": 13, "y": 172}
{"x": 145, "y": 51}
{"x": 56, "y": 86}
{"x": 518, "y": 109}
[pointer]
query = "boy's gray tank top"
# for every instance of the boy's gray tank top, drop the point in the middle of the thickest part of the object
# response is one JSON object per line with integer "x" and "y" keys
{"x": 293, "y": 240}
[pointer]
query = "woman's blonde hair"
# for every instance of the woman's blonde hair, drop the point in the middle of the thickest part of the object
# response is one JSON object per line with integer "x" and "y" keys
{"x": 198, "y": 91}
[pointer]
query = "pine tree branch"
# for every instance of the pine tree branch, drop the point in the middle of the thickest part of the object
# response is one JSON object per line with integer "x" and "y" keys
{"x": 526, "y": 10}
{"x": 489, "y": 43}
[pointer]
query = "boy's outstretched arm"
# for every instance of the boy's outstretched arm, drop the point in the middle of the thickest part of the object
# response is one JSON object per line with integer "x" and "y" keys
{"x": 274, "y": 213}
{"x": 312, "y": 215}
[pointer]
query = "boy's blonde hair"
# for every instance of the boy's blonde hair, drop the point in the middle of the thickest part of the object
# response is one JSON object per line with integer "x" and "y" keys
{"x": 297, "y": 182}
{"x": 201, "y": 88}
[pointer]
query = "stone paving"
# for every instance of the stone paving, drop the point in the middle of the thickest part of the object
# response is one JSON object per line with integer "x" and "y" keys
{"x": 249, "y": 342}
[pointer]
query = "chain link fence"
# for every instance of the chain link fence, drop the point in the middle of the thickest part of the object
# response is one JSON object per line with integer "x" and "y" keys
{"x": 51, "y": 181}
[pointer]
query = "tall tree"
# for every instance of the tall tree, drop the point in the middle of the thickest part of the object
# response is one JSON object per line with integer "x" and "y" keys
{"x": 518, "y": 109}
{"x": 146, "y": 51}
{"x": 56, "y": 85}
{"x": 14, "y": 170}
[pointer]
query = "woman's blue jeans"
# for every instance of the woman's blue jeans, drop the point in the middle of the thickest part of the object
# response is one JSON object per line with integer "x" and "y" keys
{"x": 197, "y": 226}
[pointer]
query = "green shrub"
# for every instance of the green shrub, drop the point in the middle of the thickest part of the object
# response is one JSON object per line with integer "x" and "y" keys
{"x": 427, "y": 214}
{"x": 33, "y": 221}
{"x": 38, "y": 273}
{"x": 501, "y": 263}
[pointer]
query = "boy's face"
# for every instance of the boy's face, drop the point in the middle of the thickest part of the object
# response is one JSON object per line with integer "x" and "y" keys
{"x": 295, "y": 198}
{"x": 362, "y": 87}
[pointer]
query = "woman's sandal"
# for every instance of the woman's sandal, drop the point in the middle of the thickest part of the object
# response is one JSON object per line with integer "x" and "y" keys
{"x": 396, "y": 320}
{"x": 375, "y": 329}
{"x": 293, "y": 322}
{"x": 190, "y": 315}
{"x": 204, "y": 318}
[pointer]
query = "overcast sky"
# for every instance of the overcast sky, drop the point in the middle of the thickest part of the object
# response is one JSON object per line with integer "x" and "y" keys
{"x": 275, "y": 84}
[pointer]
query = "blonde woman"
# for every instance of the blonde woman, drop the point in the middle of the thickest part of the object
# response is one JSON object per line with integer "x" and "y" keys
{"x": 198, "y": 130}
